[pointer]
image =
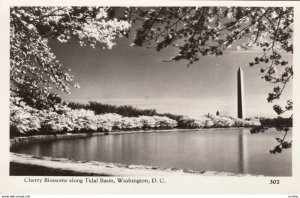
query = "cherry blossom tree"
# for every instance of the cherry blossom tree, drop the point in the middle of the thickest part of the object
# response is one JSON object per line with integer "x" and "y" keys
{"x": 202, "y": 31}
{"x": 193, "y": 31}
{"x": 34, "y": 68}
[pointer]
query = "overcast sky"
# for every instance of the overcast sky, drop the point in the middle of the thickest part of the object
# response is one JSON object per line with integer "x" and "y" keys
{"x": 139, "y": 77}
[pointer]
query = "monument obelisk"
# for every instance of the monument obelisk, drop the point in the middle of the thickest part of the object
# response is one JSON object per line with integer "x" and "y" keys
{"x": 240, "y": 93}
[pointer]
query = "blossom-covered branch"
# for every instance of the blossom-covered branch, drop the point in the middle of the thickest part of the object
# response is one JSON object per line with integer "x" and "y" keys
{"x": 32, "y": 61}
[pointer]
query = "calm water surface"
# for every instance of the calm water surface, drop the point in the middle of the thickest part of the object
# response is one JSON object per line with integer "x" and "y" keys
{"x": 229, "y": 150}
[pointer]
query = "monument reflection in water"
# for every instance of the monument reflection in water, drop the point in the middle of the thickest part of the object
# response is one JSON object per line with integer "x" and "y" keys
{"x": 243, "y": 158}
{"x": 228, "y": 150}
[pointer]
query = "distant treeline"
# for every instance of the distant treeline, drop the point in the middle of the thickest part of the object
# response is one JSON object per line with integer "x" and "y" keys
{"x": 130, "y": 111}
{"x": 124, "y": 110}
{"x": 276, "y": 122}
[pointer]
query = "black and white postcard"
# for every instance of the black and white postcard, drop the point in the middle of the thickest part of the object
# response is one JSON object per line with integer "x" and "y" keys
{"x": 156, "y": 97}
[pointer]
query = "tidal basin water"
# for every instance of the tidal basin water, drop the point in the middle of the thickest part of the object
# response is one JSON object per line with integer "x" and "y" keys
{"x": 229, "y": 150}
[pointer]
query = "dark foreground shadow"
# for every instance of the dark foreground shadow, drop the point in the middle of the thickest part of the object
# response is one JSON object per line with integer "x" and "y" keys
{"x": 17, "y": 169}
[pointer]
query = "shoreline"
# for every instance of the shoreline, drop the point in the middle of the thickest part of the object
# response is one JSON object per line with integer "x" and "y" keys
{"x": 62, "y": 166}
{"x": 23, "y": 140}
{"x": 27, "y": 165}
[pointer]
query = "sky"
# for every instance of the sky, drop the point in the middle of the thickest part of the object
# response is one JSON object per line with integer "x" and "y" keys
{"x": 139, "y": 77}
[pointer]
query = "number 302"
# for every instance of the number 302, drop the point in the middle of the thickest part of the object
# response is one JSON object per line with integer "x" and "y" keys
{"x": 274, "y": 181}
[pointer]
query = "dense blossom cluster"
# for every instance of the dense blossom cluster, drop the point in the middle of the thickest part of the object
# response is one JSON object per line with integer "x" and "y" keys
{"x": 29, "y": 120}
{"x": 26, "y": 119}
{"x": 216, "y": 122}
{"x": 23, "y": 117}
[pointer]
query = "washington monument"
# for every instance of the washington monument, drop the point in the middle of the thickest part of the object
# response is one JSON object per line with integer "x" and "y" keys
{"x": 240, "y": 93}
